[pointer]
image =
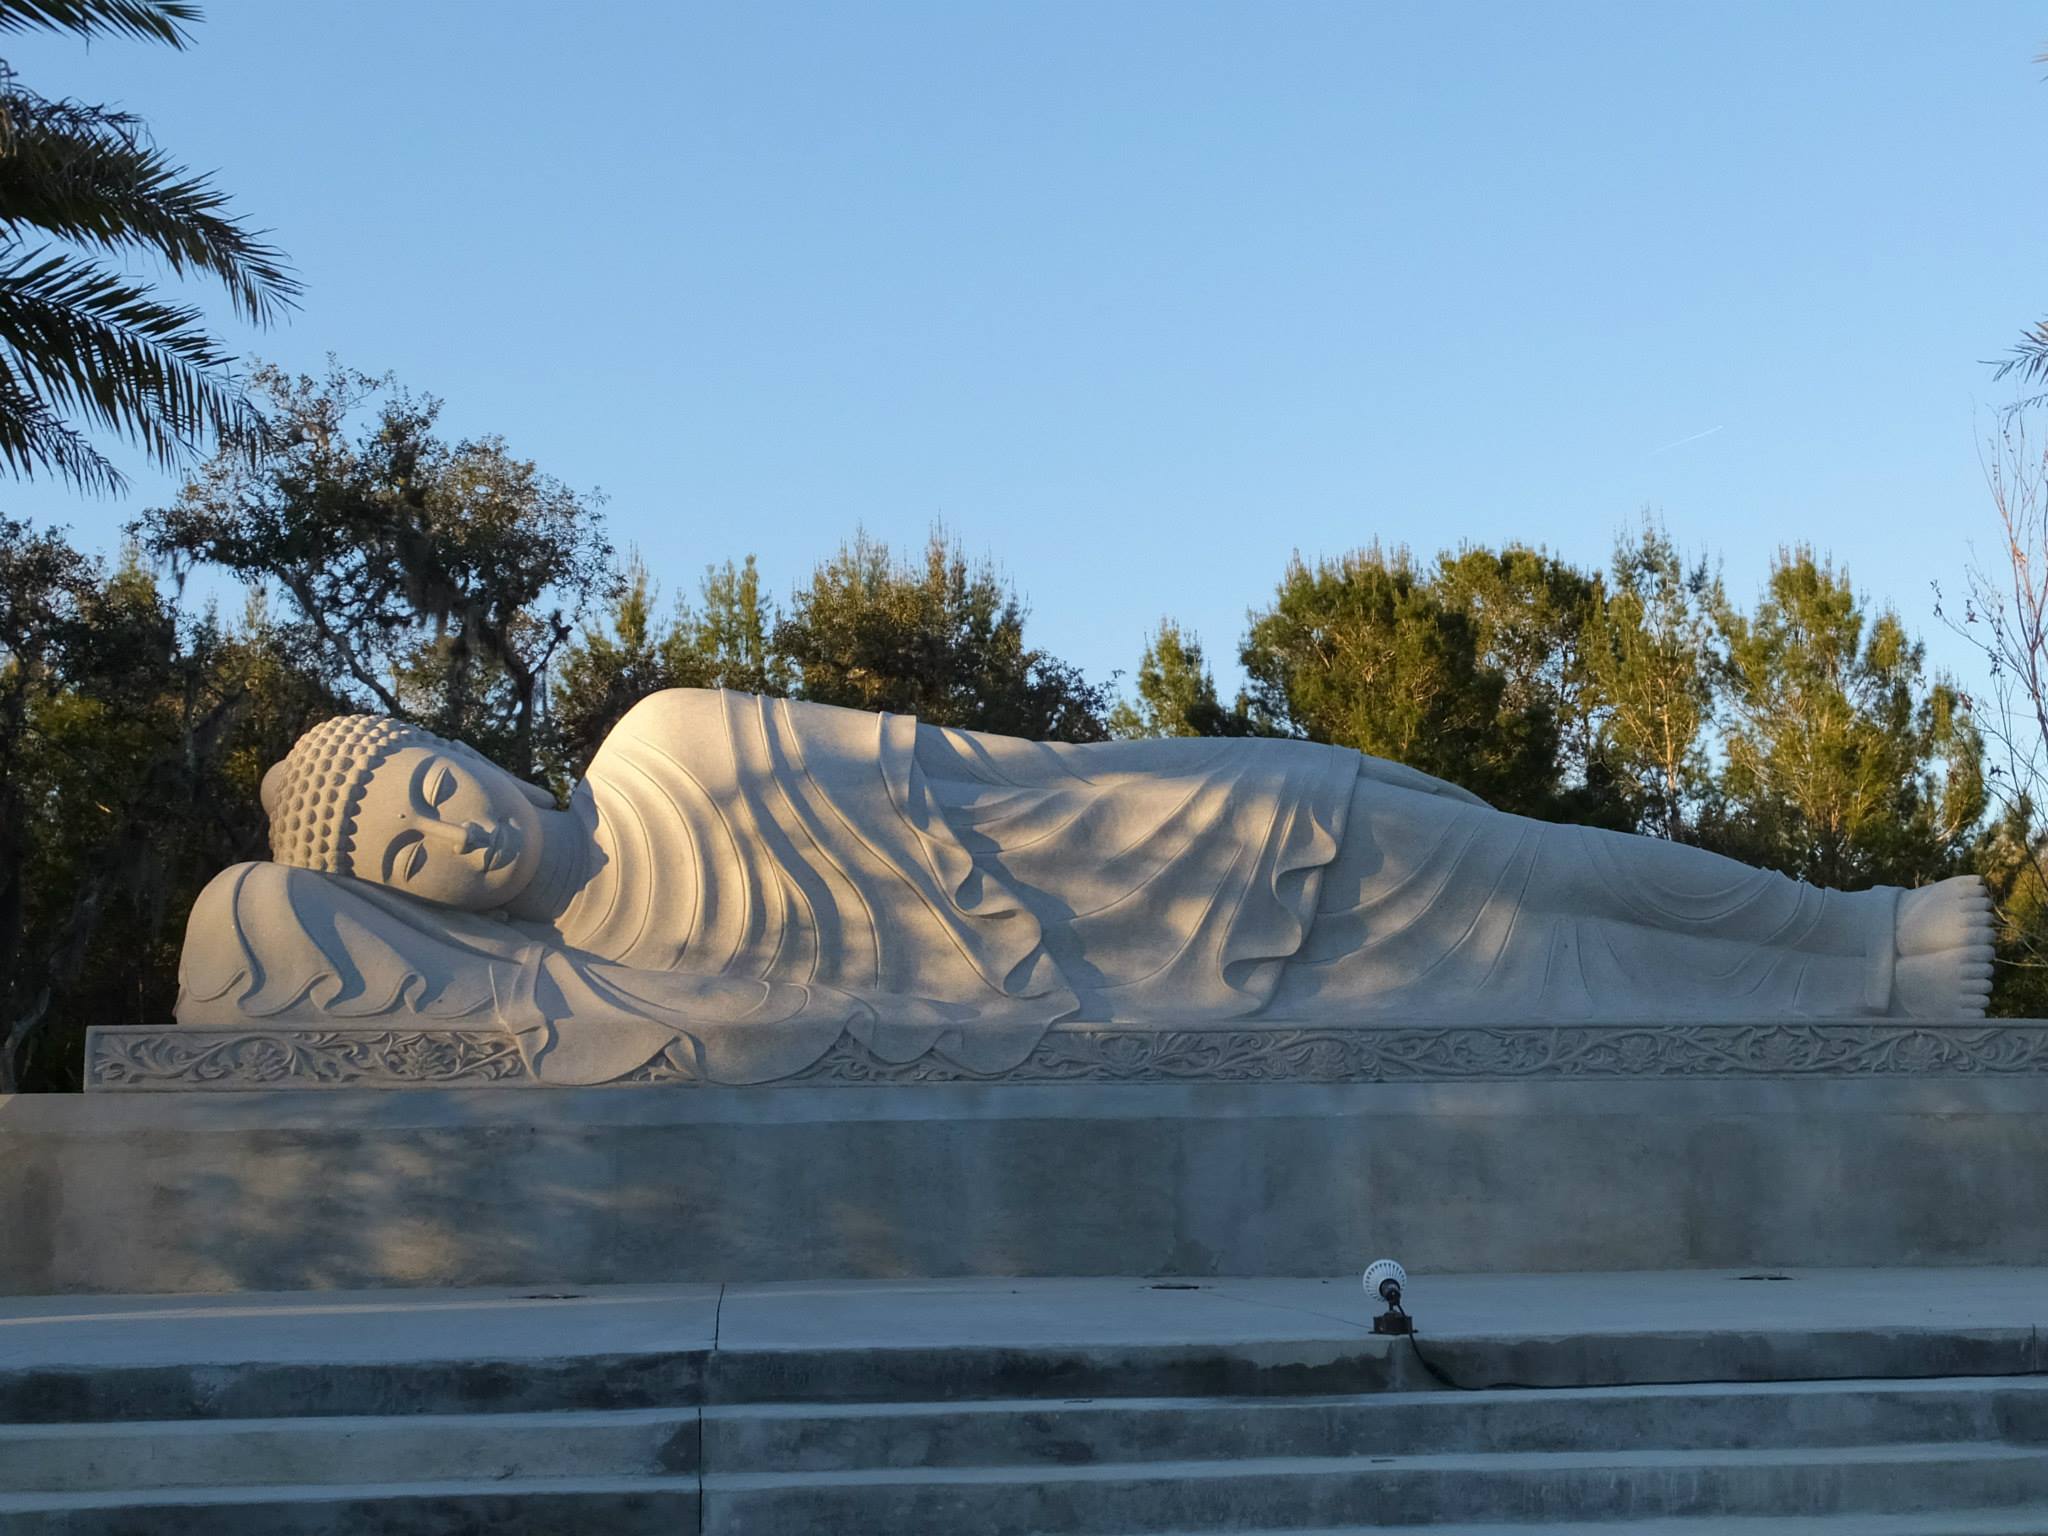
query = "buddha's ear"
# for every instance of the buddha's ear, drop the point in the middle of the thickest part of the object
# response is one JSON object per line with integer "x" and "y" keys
{"x": 540, "y": 797}
{"x": 272, "y": 789}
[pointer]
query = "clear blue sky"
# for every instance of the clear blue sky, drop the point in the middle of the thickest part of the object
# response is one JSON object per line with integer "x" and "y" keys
{"x": 1139, "y": 297}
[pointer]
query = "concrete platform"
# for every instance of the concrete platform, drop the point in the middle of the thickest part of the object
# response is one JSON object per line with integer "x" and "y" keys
{"x": 649, "y": 1346}
{"x": 560, "y": 1189}
{"x": 1908, "y": 1402}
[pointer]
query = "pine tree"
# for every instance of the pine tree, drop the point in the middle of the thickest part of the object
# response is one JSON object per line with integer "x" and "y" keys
{"x": 615, "y": 664}
{"x": 1653, "y": 674}
{"x": 735, "y": 632}
{"x": 1177, "y": 693}
{"x": 1845, "y": 766}
{"x": 1364, "y": 651}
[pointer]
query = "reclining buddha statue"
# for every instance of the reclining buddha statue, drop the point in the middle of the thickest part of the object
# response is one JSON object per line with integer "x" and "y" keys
{"x": 737, "y": 882}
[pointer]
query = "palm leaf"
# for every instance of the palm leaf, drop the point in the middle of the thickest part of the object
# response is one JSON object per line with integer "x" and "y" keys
{"x": 90, "y": 176}
{"x": 34, "y": 439}
{"x": 81, "y": 346}
{"x": 157, "y": 21}
{"x": 2029, "y": 359}
{"x": 83, "y": 341}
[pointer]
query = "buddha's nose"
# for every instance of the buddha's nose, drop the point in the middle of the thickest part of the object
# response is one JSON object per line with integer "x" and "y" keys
{"x": 466, "y": 836}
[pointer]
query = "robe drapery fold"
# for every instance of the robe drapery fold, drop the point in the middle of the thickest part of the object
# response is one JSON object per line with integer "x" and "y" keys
{"x": 1171, "y": 879}
{"x": 761, "y": 837}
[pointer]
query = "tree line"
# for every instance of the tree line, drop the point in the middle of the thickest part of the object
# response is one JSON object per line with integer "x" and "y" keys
{"x": 453, "y": 583}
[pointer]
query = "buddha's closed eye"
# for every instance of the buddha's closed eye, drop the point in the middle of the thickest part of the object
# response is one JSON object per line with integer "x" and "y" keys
{"x": 406, "y": 857}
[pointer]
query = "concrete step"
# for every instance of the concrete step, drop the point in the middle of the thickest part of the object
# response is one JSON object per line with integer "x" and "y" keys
{"x": 72, "y": 1359}
{"x": 809, "y": 1437}
{"x": 871, "y": 1370}
{"x": 266, "y": 1388}
{"x": 2026, "y": 1520}
{"x": 345, "y": 1450}
{"x": 1296, "y": 1492}
{"x": 261, "y": 1389}
{"x": 554, "y": 1506}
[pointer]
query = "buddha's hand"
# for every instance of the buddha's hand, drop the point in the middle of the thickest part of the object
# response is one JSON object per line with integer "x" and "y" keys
{"x": 1945, "y": 947}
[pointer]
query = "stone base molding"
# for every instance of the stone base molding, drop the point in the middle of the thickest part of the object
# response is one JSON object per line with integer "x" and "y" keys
{"x": 121, "y": 1059}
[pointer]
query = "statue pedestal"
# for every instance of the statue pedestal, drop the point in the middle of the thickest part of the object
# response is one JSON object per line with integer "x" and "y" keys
{"x": 1283, "y": 1150}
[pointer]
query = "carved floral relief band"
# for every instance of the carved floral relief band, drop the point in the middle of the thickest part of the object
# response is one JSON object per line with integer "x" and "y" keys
{"x": 288, "y": 1057}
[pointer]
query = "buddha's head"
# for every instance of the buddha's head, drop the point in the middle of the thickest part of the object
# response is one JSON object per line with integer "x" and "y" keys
{"x": 383, "y": 801}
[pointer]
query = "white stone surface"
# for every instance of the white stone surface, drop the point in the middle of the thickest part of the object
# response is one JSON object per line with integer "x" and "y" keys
{"x": 740, "y": 883}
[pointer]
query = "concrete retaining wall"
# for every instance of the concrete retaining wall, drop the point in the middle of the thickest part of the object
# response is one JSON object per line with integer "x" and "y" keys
{"x": 282, "y": 1191}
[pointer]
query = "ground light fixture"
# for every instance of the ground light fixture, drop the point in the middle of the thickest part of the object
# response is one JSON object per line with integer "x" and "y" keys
{"x": 1384, "y": 1279}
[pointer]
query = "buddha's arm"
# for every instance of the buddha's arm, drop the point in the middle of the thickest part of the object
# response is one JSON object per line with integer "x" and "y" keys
{"x": 268, "y": 941}
{"x": 271, "y": 944}
{"x": 1383, "y": 771}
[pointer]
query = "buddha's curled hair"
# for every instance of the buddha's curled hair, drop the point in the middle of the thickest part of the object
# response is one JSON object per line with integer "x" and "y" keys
{"x": 311, "y": 797}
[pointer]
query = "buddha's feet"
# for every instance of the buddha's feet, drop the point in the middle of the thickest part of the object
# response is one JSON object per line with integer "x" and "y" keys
{"x": 1944, "y": 965}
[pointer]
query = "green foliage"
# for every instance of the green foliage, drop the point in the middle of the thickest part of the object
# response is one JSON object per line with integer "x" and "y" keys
{"x": 438, "y": 579}
{"x": 1527, "y": 610}
{"x": 725, "y": 644}
{"x": 734, "y": 632}
{"x": 2012, "y": 858}
{"x": 1368, "y": 651}
{"x": 83, "y": 344}
{"x": 941, "y": 639}
{"x": 1533, "y": 618}
{"x": 1844, "y": 766}
{"x": 1805, "y": 737}
{"x": 1177, "y": 693}
{"x": 131, "y": 744}
{"x": 1652, "y": 675}
{"x": 46, "y": 594}
{"x": 611, "y": 668}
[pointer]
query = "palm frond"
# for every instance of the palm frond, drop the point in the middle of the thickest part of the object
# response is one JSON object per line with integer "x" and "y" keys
{"x": 157, "y": 21}
{"x": 34, "y": 439}
{"x": 89, "y": 175}
{"x": 85, "y": 341}
{"x": 2029, "y": 359}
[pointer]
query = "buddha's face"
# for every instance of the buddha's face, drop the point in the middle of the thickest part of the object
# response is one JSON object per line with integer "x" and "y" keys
{"x": 446, "y": 828}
